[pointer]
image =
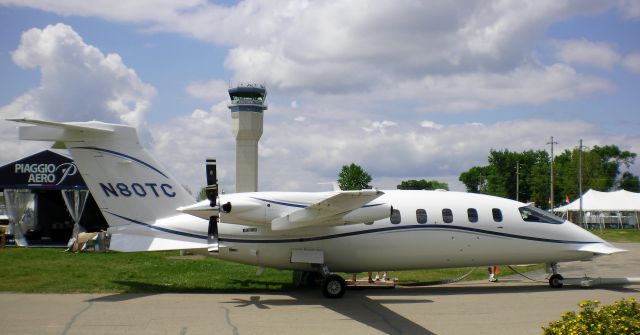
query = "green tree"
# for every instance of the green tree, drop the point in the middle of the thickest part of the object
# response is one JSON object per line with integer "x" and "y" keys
{"x": 515, "y": 175}
{"x": 475, "y": 179}
{"x": 202, "y": 195}
{"x": 629, "y": 182}
{"x": 600, "y": 170}
{"x": 422, "y": 184}
{"x": 353, "y": 177}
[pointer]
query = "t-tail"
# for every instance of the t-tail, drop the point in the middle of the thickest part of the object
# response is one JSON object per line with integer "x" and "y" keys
{"x": 136, "y": 195}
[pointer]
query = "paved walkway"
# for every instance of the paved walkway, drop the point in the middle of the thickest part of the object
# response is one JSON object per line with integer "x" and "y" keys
{"x": 512, "y": 306}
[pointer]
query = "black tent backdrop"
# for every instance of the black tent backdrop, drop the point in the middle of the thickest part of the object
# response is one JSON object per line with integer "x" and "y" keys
{"x": 53, "y": 181}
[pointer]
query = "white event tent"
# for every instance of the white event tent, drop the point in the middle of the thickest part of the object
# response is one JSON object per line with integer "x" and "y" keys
{"x": 618, "y": 208}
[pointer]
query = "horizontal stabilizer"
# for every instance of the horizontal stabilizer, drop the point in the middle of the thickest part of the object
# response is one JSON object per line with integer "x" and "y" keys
{"x": 41, "y": 130}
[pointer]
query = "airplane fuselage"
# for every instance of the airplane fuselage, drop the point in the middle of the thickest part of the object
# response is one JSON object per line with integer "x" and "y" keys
{"x": 429, "y": 229}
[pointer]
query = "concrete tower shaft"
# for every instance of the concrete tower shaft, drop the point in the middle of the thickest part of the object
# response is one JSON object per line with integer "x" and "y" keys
{"x": 247, "y": 107}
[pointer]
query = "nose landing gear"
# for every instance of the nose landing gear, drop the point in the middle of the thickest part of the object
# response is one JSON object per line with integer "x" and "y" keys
{"x": 555, "y": 281}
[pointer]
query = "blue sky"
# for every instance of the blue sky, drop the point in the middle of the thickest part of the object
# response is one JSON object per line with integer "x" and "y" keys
{"x": 405, "y": 89}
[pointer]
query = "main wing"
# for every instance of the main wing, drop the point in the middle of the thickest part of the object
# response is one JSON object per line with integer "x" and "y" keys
{"x": 329, "y": 209}
{"x": 344, "y": 207}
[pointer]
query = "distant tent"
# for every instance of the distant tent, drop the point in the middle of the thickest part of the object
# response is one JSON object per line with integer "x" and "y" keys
{"x": 605, "y": 208}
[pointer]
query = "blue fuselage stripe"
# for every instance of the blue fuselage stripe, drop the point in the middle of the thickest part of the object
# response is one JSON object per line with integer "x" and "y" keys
{"x": 402, "y": 228}
{"x": 162, "y": 229}
{"x": 356, "y": 233}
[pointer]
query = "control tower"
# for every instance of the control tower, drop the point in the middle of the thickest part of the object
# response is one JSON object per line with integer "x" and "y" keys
{"x": 247, "y": 107}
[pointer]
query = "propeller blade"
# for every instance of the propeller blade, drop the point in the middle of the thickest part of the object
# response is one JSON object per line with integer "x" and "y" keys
{"x": 212, "y": 235}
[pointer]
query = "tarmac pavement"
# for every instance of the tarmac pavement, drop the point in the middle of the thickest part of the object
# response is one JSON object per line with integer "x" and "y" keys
{"x": 514, "y": 305}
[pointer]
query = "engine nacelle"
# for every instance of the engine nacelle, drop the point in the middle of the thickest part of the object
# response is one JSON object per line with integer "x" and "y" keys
{"x": 244, "y": 212}
{"x": 368, "y": 214}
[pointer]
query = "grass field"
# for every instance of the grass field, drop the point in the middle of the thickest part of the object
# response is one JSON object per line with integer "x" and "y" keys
{"x": 618, "y": 235}
{"x": 55, "y": 271}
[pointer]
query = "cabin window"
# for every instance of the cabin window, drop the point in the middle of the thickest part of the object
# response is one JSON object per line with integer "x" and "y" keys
{"x": 395, "y": 216}
{"x": 497, "y": 214}
{"x": 472, "y": 213}
{"x": 421, "y": 216}
{"x": 533, "y": 214}
{"x": 447, "y": 215}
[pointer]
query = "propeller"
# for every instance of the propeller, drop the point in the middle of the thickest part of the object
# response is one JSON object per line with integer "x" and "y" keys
{"x": 212, "y": 195}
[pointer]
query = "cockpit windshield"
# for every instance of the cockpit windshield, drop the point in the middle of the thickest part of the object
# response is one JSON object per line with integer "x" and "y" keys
{"x": 533, "y": 214}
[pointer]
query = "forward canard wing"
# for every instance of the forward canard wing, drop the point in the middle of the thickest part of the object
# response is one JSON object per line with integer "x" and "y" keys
{"x": 343, "y": 207}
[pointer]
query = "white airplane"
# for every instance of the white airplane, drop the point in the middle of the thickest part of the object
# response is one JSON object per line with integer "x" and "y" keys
{"x": 313, "y": 233}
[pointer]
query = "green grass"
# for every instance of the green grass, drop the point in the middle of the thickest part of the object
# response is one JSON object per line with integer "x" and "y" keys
{"x": 44, "y": 270}
{"x": 55, "y": 271}
{"x": 618, "y": 235}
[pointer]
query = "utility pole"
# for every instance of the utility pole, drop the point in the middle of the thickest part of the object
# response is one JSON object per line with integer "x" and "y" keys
{"x": 517, "y": 181}
{"x": 552, "y": 143}
{"x": 580, "y": 182}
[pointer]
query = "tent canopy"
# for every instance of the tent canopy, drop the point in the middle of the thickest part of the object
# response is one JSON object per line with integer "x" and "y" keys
{"x": 618, "y": 201}
{"x": 45, "y": 170}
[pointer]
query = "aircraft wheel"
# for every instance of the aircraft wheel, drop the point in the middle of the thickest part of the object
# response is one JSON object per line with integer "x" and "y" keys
{"x": 555, "y": 281}
{"x": 333, "y": 286}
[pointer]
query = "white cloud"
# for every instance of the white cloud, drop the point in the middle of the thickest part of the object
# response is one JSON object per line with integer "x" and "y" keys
{"x": 431, "y": 125}
{"x": 342, "y": 60}
{"x": 347, "y": 46}
{"x": 379, "y": 126}
{"x": 632, "y": 62}
{"x": 210, "y": 90}
{"x": 584, "y": 52}
{"x": 123, "y": 11}
{"x": 78, "y": 83}
{"x": 532, "y": 85}
{"x": 320, "y": 149}
{"x": 183, "y": 144}
{"x": 630, "y": 8}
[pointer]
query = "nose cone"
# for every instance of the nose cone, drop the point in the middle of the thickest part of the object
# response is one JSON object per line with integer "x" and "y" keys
{"x": 590, "y": 242}
{"x": 604, "y": 248}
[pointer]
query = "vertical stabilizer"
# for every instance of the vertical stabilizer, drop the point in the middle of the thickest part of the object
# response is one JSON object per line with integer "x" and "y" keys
{"x": 135, "y": 194}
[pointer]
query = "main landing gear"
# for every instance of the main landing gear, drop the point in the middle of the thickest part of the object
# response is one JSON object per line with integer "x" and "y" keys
{"x": 555, "y": 281}
{"x": 333, "y": 285}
